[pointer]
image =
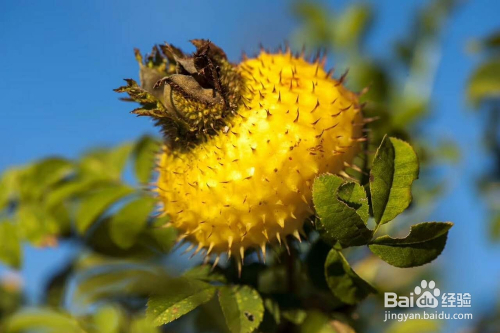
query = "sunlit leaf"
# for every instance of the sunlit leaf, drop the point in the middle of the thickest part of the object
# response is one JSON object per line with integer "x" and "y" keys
{"x": 10, "y": 244}
{"x": 102, "y": 279}
{"x": 96, "y": 203}
{"x": 9, "y": 186}
{"x": 205, "y": 273}
{"x": 36, "y": 179}
{"x": 354, "y": 196}
{"x": 296, "y": 316}
{"x": 242, "y": 307}
{"x": 351, "y": 25}
{"x": 108, "y": 319}
{"x": 495, "y": 227}
{"x": 163, "y": 235}
{"x": 106, "y": 163}
{"x": 143, "y": 325}
{"x": 272, "y": 307}
{"x": 337, "y": 220}
{"x": 178, "y": 298}
{"x": 145, "y": 153}
{"x": 48, "y": 172}
{"x": 164, "y": 238}
{"x": 36, "y": 224}
{"x": 130, "y": 221}
{"x": 69, "y": 190}
{"x": 317, "y": 322}
{"x": 318, "y": 29}
{"x": 343, "y": 281}
{"x": 394, "y": 169}
{"x": 42, "y": 320}
{"x": 415, "y": 326}
{"x": 209, "y": 318}
{"x": 424, "y": 243}
{"x": 485, "y": 82}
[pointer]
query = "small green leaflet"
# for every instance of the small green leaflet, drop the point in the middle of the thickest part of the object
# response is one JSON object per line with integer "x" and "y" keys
{"x": 69, "y": 190}
{"x": 130, "y": 221}
{"x": 142, "y": 325}
{"x": 425, "y": 243}
{"x": 108, "y": 319}
{"x": 354, "y": 196}
{"x": 180, "y": 296}
{"x": 106, "y": 164}
{"x": 96, "y": 203}
{"x": 485, "y": 82}
{"x": 205, "y": 273}
{"x": 317, "y": 322}
{"x": 343, "y": 281}
{"x": 495, "y": 227}
{"x": 296, "y": 316}
{"x": 242, "y": 307}
{"x": 9, "y": 186}
{"x": 339, "y": 220}
{"x": 36, "y": 224}
{"x": 37, "y": 320}
{"x": 144, "y": 153}
{"x": 39, "y": 177}
{"x": 394, "y": 169}
{"x": 10, "y": 244}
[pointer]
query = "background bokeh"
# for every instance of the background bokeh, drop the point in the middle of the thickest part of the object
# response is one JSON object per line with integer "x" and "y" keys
{"x": 60, "y": 60}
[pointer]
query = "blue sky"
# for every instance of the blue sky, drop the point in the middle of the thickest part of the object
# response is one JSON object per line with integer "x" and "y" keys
{"x": 60, "y": 60}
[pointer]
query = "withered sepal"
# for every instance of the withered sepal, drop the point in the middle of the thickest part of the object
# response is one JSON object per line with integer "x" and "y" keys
{"x": 189, "y": 96}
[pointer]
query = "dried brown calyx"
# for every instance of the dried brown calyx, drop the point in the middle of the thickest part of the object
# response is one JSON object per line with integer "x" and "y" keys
{"x": 189, "y": 96}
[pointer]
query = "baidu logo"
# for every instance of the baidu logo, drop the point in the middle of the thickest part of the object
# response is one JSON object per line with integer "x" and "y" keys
{"x": 427, "y": 295}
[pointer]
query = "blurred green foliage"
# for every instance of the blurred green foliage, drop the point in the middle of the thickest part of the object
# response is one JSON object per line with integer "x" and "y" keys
{"x": 483, "y": 91}
{"x": 313, "y": 288}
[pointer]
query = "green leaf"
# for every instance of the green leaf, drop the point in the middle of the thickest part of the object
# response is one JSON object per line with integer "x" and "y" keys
{"x": 96, "y": 203}
{"x": 49, "y": 321}
{"x": 145, "y": 152}
{"x": 35, "y": 223}
{"x": 106, "y": 163}
{"x": 273, "y": 308}
{"x": 108, "y": 319}
{"x": 103, "y": 279}
{"x": 9, "y": 186}
{"x": 424, "y": 243}
{"x": 209, "y": 318}
{"x": 205, "y": 273}
{"x": 142, "y": 325}
{"x": 242, "y": 307}
{"x": 394, "y": 169}
{"x": 485, "y": 82}
{"x": 296, "y": 316}
{"x": 69, "y": 190}
{"x": 354, "y": 196}
{"x": 416, "y": 326}
{"x": 495, "y": 227}
{"x": 130, "y": 221}
{"x": 164, "y": 238}
{"x": 317, "y": 322}
{"x": 343, "y": 281}
{"x": 180, "y": 297}
{"x": 50, "y": 171}
{"x": 36, "y": 179}
{"x": 10, "y": 244}
{"x": 337, "y": 220}
{"x": 351, "y": 25}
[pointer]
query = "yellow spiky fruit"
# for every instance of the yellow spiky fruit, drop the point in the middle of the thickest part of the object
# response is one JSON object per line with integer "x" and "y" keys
{"x": 251, "y": 182}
